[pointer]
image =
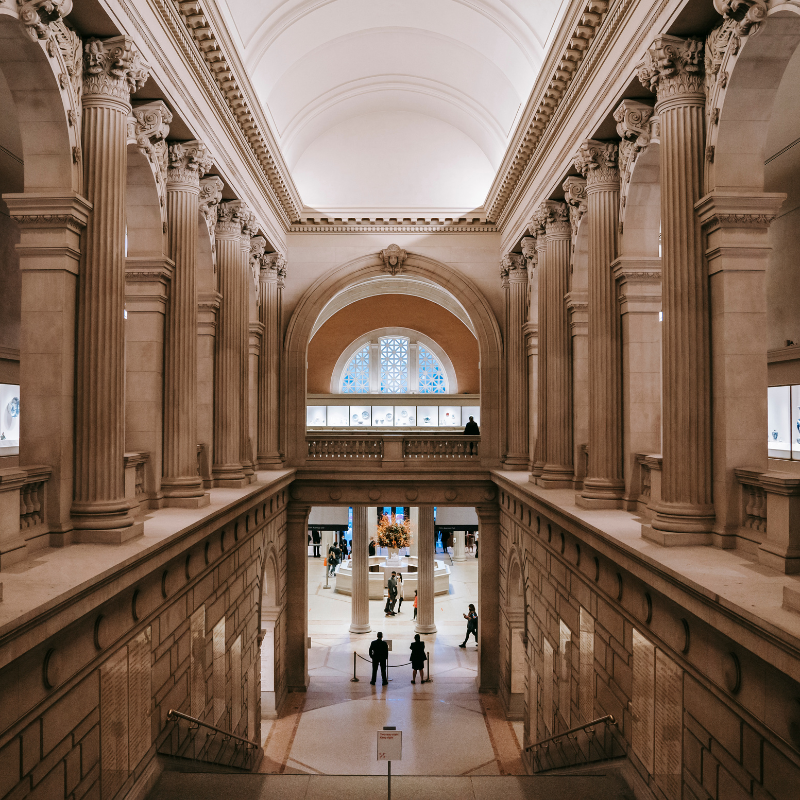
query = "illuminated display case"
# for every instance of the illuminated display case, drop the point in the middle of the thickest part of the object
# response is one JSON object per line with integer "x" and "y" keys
{"x": 783, "y": 422}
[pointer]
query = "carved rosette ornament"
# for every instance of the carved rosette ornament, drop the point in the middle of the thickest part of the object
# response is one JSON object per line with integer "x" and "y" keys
{"x": 746, "y": 15}
{"x": 257, "y": 246}
{"x": 38, "y": 15}
{"x": 393, "y": 258}
{"x": 575, "y": 195}
{"x": 188, "y": 162}
{"x": 113, "y": 69}
{"x": 673, "y": 68}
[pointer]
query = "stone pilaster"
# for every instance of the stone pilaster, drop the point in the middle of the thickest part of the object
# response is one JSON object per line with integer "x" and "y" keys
{"x": 537, "y": 228}
{"x": 181, "y": 484}
{"x": 531, "y": 338}
{"x": 673, "y": 67}
{"x": 249, "y": 227}
{"x": 426, "y": 543}
{"x": 359, "y": 613}
{"x": 230, "y": 346}
{"x": 113, "y": 69}
{"x": 297, "y": 596}
{"x": 604, "y": 484}
{"x": 558, "y": 469}
{"x": 514, "y": 273}
{"x": 273, "y": 270}
{"x": 489, "y": 598}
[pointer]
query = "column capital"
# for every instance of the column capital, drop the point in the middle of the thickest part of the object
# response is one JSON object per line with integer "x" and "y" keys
{"x": 576, "y": 197}
{"x": 188, "y": 162}
{"x": 738, "y": 209}
{"x": 747, "y": 14}
{"x": 257, "y": 246}
{"x": 210, "y": 197}
{"x": 673, "y": 67}
{"x": 529, "y": 251}
{"x": 513, "y": 268}
{"x": 556, "y": 219}
{"x": 273, "y": 267}
{"x": 536, "y": 227}
{"x": 633, "y": 122}
{"x": 113, "y": 69}
{"x": 148, "y": 128}
{"x": 231, "y": 216}
{"x": 597, "y": 162}
{"x": 36, "y": 16}
{"x": 249, "y": 225}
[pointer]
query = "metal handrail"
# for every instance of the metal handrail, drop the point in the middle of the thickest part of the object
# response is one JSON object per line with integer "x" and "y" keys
{"x": 173, "y": 715}
{"x": 607, "y": 718}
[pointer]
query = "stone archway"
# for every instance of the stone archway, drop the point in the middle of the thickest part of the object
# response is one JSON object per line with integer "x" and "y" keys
{"x": 271, "y": 636}
{"x": 516, "y": 639}
{"x": 368, "y": 267}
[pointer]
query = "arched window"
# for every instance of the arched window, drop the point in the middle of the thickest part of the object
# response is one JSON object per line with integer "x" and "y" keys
{"x": 400, "y": 362}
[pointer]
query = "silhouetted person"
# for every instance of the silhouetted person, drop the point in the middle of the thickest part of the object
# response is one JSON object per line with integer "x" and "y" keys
{"x": 315, "y": 542}
{"x": 379, "y": 653}
{"x": 372, "y": 547}
{"x": 392, "y": 598}
{"x": 418, "y": 659}
{"x": 471, "y": 428}
{"x": 472, "y": 625}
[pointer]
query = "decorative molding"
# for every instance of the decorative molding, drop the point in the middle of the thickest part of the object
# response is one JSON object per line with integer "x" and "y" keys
{"x": 207, "y": 45}
{"x": 113, "y": 68}
{"x": 548, "y": 97}
{"x": 389, "y": 226}
{"x": 746, "y": 15}
{"x": 673, "y": 67}
{"x": 393, "y": 258}
{"x": 38, "y": 16}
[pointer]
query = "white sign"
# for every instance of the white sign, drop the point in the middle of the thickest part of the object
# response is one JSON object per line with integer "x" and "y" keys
{"x": 390, "y": 745}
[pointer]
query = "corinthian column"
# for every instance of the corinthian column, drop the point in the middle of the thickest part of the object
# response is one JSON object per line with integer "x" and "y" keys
{"x": 673, "y": 67}
{"x": 514, "y": 273}
{"x": 531, "y": 336}
{"x": 425, "y": 561}
{"x": 249, "y": 228}
{"x": 604, "y": 484}
{"x": 181, "y": 484}
{"x": 558, "y": 470}
{"x": 230, "y": 345}
{"x": 273, "y": 269}
{"x": 113, "y": 69}
{"x": 359, "y": 613}
{"x": 537, "y": 228}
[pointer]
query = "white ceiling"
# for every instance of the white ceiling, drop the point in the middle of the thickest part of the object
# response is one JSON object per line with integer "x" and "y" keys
{"x": 392, "y": 104}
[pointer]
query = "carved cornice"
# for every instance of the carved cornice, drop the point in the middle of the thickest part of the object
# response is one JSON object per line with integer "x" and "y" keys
{"x": 208, "y": 49}
{"x": 734, "y": 210}
{"x": 745, "y": 14}
{"x": 38, "y": 16}
{"x": 546, "y": 98}
{"x": 113, "y": 68}
{"x": 674, "y": 68}
{"x": 556, "y": 218}
{"x": 188, "y": 162}
{"x": 393, "y": 258}
{"x": 30, "y": 210}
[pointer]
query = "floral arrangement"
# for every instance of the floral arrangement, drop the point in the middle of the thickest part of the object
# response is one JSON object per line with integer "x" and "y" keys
{"x": 394, "y": 534}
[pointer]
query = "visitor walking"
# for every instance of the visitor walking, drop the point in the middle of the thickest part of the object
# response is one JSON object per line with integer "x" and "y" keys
{"x": 472, "y": 625}
{"x": 379, "y": 653}
{"x": 391, "y": 595}
{"x": 400, "y": 591}
{"x": 418, "y": 658}
{"x": 415, "y": 603}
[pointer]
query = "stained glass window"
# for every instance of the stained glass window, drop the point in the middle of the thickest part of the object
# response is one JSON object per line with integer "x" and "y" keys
{"x": 431, "y": 375}
{"x": 356, "y": 377}
{"x": 394, "y": 365}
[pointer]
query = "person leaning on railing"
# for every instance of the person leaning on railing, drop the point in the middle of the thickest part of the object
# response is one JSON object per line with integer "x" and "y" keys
{"x": 472, "y": 429}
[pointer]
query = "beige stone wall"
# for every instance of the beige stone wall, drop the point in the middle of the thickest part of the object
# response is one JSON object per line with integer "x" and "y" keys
{"x": 72, "y": 678}
{"x": 738, "y": 736}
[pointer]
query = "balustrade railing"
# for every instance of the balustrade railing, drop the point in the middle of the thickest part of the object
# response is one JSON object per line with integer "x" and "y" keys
{"x": 585, "y": 744}
{"x": 753, "y": 504}
{"x": 456, "y": 448}
{"x": 393, "y": 447}
{"x": 344, "y": 447}
{"x": 31, "y": 498}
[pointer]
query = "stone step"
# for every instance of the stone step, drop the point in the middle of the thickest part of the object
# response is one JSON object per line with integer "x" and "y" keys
{"x": 596, "y": 786}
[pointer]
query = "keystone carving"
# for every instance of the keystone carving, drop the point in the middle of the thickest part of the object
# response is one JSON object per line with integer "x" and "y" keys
{"x": 113, "y": 68}
{"x": 393, "y": 258}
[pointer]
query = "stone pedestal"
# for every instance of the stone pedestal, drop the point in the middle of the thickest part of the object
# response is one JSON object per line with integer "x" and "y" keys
{"x": 359, "y": 615}
{"x": 113, "y": 69}
{"x": 781, "y": 550}
{"x": 426, "y": 555}
{"x": 514, "y": 275}
{"x": 673, "y": 67}
{"x": 604, "y": 485}
{"x": 459, "y": 546}
{"x": 181, "y": 484}
{"x": 558, "y": 469}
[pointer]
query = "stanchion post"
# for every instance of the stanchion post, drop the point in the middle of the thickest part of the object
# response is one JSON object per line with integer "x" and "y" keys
{"x": 354, "y": 679}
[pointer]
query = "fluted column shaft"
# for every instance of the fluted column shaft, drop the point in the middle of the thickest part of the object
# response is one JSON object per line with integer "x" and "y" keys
{"x": 269, "y": 362}
{"x": 674, "y": 68}
{"x": 246, "y": 450}
{"x": 359, "y": 613}
{"x": 181, "y": 482}
{"x": 230, "y": 343}
{"x": 558, "y": 470}
{"x": 604, "y": 484}
{"x": 426, "y": 555}
{"x": 540, "y": 450}
{"x": 99, "y": 490}
{"x": 515, "y": 276}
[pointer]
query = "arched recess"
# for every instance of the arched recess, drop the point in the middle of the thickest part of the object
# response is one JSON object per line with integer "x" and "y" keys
{"x": 271, "y": 635}
{"x": 145, "y": 208}
{"x": 578, "y": 304}
{"x": 365, "y": 268}
{"x": 516, "y": 637}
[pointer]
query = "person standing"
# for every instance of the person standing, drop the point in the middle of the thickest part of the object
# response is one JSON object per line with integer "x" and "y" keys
{"x": 472, "y": 429}
{"x": 418, "y": 658}
{"x": 315, "y": 542}
{"x": 392, "y": 595}
{"x": 400, "y": 591}
{"x": 416, "y": 599}
{"x": 379, "y": 653}
{"x": 472, "y": 625}
{"x": 372, "y": 547}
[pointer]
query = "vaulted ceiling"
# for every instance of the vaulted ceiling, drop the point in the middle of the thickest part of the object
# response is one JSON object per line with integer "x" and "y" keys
{"x": 392, "y": 104}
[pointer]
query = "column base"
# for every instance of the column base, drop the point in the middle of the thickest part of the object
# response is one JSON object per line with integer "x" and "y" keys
{"x": 536, "y": 470}
{"x": 600, "y": 493}
{"x": 597, "y": 502}
{"x": 270, "y": 461}
{"x": 675, "y": 538}
{"x": 229, "y": 476}
{"x": 516, "y": 462}
{"x": 188, "y": 502}
{"x": 360, "y": 628}
{"x": 108, "y": 535}
{"x": 780, "y": 558}
{"x": 682, "y": 518}
{"x": 231, "y": 483}
{"x": 555, "y": 476}
{"x": 103, "y": 515}
{"x": 459, "y": 558}
{"x": 424, "y": 628}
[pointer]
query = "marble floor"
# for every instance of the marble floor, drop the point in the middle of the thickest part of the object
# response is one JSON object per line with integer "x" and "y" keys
{"x": 448, "y": 728}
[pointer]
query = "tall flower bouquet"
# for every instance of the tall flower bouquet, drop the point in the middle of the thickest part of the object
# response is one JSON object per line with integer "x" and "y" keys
{"x": 394, "y": 534}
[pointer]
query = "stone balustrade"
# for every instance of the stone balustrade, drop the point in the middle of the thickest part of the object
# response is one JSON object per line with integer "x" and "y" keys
{"x": 395, "y": 450}
{"x": 753, "y": 505}
{"x": 649, "y": 483}
{"x": 22, "y": 510}
{"x": 136, "y": 483}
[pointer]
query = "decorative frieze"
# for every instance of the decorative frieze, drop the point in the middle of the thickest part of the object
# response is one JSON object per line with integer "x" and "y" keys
{"x": 113, "y": 68}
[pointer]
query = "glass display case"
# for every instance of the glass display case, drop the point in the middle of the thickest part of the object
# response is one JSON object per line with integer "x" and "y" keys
{"x": 428, "y": 417}
{"x": 470, "y": 411}
{"x": 338, "y": 416}
{"x": 9, "y": 418}
{"x": 783, "y": 422}
{"x": 449, "y": 416}
{"x": 405, "y": 416}
{"x": 316, "y": 416}
{"x": 360, "y": 415}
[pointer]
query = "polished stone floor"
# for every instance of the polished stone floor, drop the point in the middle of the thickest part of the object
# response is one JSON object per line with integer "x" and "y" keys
{"x": 448, "y": 728}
